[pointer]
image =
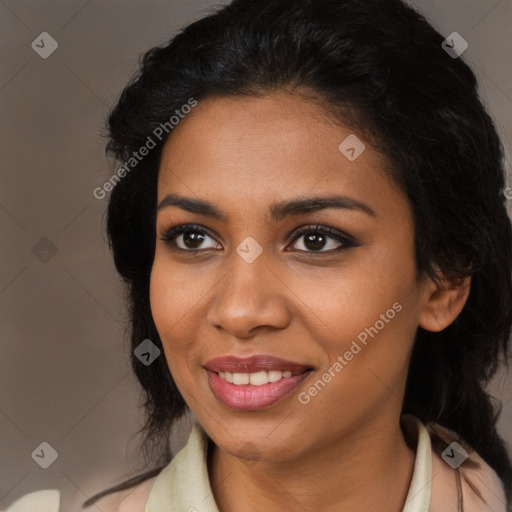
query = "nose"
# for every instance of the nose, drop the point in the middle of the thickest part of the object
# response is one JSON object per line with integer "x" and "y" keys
{"x": 249, "y": 298}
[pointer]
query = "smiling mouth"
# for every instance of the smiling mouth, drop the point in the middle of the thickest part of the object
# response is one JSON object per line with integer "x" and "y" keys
{"x": 257, "y": 378}
{"x": 256, "y": 382}
{"x": 254, "y": 391}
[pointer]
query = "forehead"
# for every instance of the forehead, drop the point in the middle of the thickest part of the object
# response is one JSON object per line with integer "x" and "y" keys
{"x": 262, "y": 149}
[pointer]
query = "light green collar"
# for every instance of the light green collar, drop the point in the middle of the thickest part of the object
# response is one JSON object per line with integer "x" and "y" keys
{"x": 184, "y": 486}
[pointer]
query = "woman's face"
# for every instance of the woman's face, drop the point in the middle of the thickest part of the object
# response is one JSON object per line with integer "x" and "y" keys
{"x": 341, "y": 312}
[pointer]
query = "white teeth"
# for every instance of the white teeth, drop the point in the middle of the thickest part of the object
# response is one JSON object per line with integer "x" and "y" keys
{"x": 256, "y": 378}
{"x": 241, "y": 378}
{"x": 274, "y": 376}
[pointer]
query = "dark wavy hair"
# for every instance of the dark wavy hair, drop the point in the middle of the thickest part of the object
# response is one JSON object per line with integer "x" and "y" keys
{"x": 377, "y": 66}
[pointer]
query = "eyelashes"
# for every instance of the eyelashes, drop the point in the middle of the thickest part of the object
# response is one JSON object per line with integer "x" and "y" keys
{"x": 171, "y": 234}
{"x": 327, "y": 232}
{"x": 197, "y": 235}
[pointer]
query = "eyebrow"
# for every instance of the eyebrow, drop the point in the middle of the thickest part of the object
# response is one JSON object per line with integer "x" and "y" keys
{"x": 278, "y": 211}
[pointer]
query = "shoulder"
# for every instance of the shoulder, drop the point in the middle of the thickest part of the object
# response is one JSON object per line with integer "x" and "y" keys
{"x": 129, "y": 500}
{"x": 482, "y": 489}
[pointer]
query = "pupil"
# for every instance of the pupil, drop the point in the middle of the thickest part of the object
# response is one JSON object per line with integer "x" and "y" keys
{"x": 310, "y": 240}
{"x": 313, "y": 241}
{"x": 193, "y": 239}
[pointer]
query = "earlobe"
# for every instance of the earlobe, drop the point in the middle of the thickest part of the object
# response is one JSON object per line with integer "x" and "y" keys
{"x": 443, "y": 303}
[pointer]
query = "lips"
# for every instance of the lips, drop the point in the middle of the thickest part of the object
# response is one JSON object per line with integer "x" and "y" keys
{"x": 276, "y": 380}
{"x": 254, "y": 364}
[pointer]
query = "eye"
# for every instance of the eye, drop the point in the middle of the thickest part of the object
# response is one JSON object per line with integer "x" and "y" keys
{"x": 191, "y": 237}
{"x": 316, "y": 238}
{"x": 187, "y": 238}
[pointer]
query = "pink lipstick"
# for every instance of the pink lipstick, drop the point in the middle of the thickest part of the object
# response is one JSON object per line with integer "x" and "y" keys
{"x": 253, "y": 383}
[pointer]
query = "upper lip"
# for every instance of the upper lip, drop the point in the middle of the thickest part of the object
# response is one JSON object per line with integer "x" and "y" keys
{"x": 252, "y": 364}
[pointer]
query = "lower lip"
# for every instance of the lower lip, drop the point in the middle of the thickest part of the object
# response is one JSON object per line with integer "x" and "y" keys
{"x": 252, "y": 398}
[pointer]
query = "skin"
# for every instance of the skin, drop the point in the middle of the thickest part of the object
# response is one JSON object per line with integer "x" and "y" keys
{"x": 242, "y": 155}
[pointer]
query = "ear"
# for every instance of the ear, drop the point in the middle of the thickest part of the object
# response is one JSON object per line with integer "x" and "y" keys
{"x": 443, "y": 302}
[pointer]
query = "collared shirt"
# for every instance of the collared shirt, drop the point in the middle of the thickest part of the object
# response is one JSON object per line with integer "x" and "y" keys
{"x": 183, "y": 486}
{"x": 44, "y": 500}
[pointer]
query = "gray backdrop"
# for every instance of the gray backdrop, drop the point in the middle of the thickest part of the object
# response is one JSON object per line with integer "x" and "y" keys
{"x": 65, "y": 377}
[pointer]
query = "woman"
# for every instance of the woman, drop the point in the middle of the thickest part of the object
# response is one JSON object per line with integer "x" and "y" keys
{"x": 310, "y": 222}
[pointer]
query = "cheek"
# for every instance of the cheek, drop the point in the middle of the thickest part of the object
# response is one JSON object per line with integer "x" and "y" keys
{"x": 367, "y": 360}
{"x": 371, "y": 312}
{"x": 171, "y": 304}
{"x": 175, "y": 294}
{"x": 369, "y": 290}
{"x": 162, "y": 298}
{"x": 373, "y": 338}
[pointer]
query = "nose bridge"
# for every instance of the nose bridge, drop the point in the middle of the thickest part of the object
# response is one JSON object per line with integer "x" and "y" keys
{"x": 249, "y": 294}
{"x": 249, "y": 269}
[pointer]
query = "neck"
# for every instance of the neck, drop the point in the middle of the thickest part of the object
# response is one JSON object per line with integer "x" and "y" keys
{"x": 369, "y": 469}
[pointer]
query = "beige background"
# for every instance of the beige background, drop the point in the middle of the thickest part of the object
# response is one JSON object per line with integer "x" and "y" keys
{"x": 64, "y": 373}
